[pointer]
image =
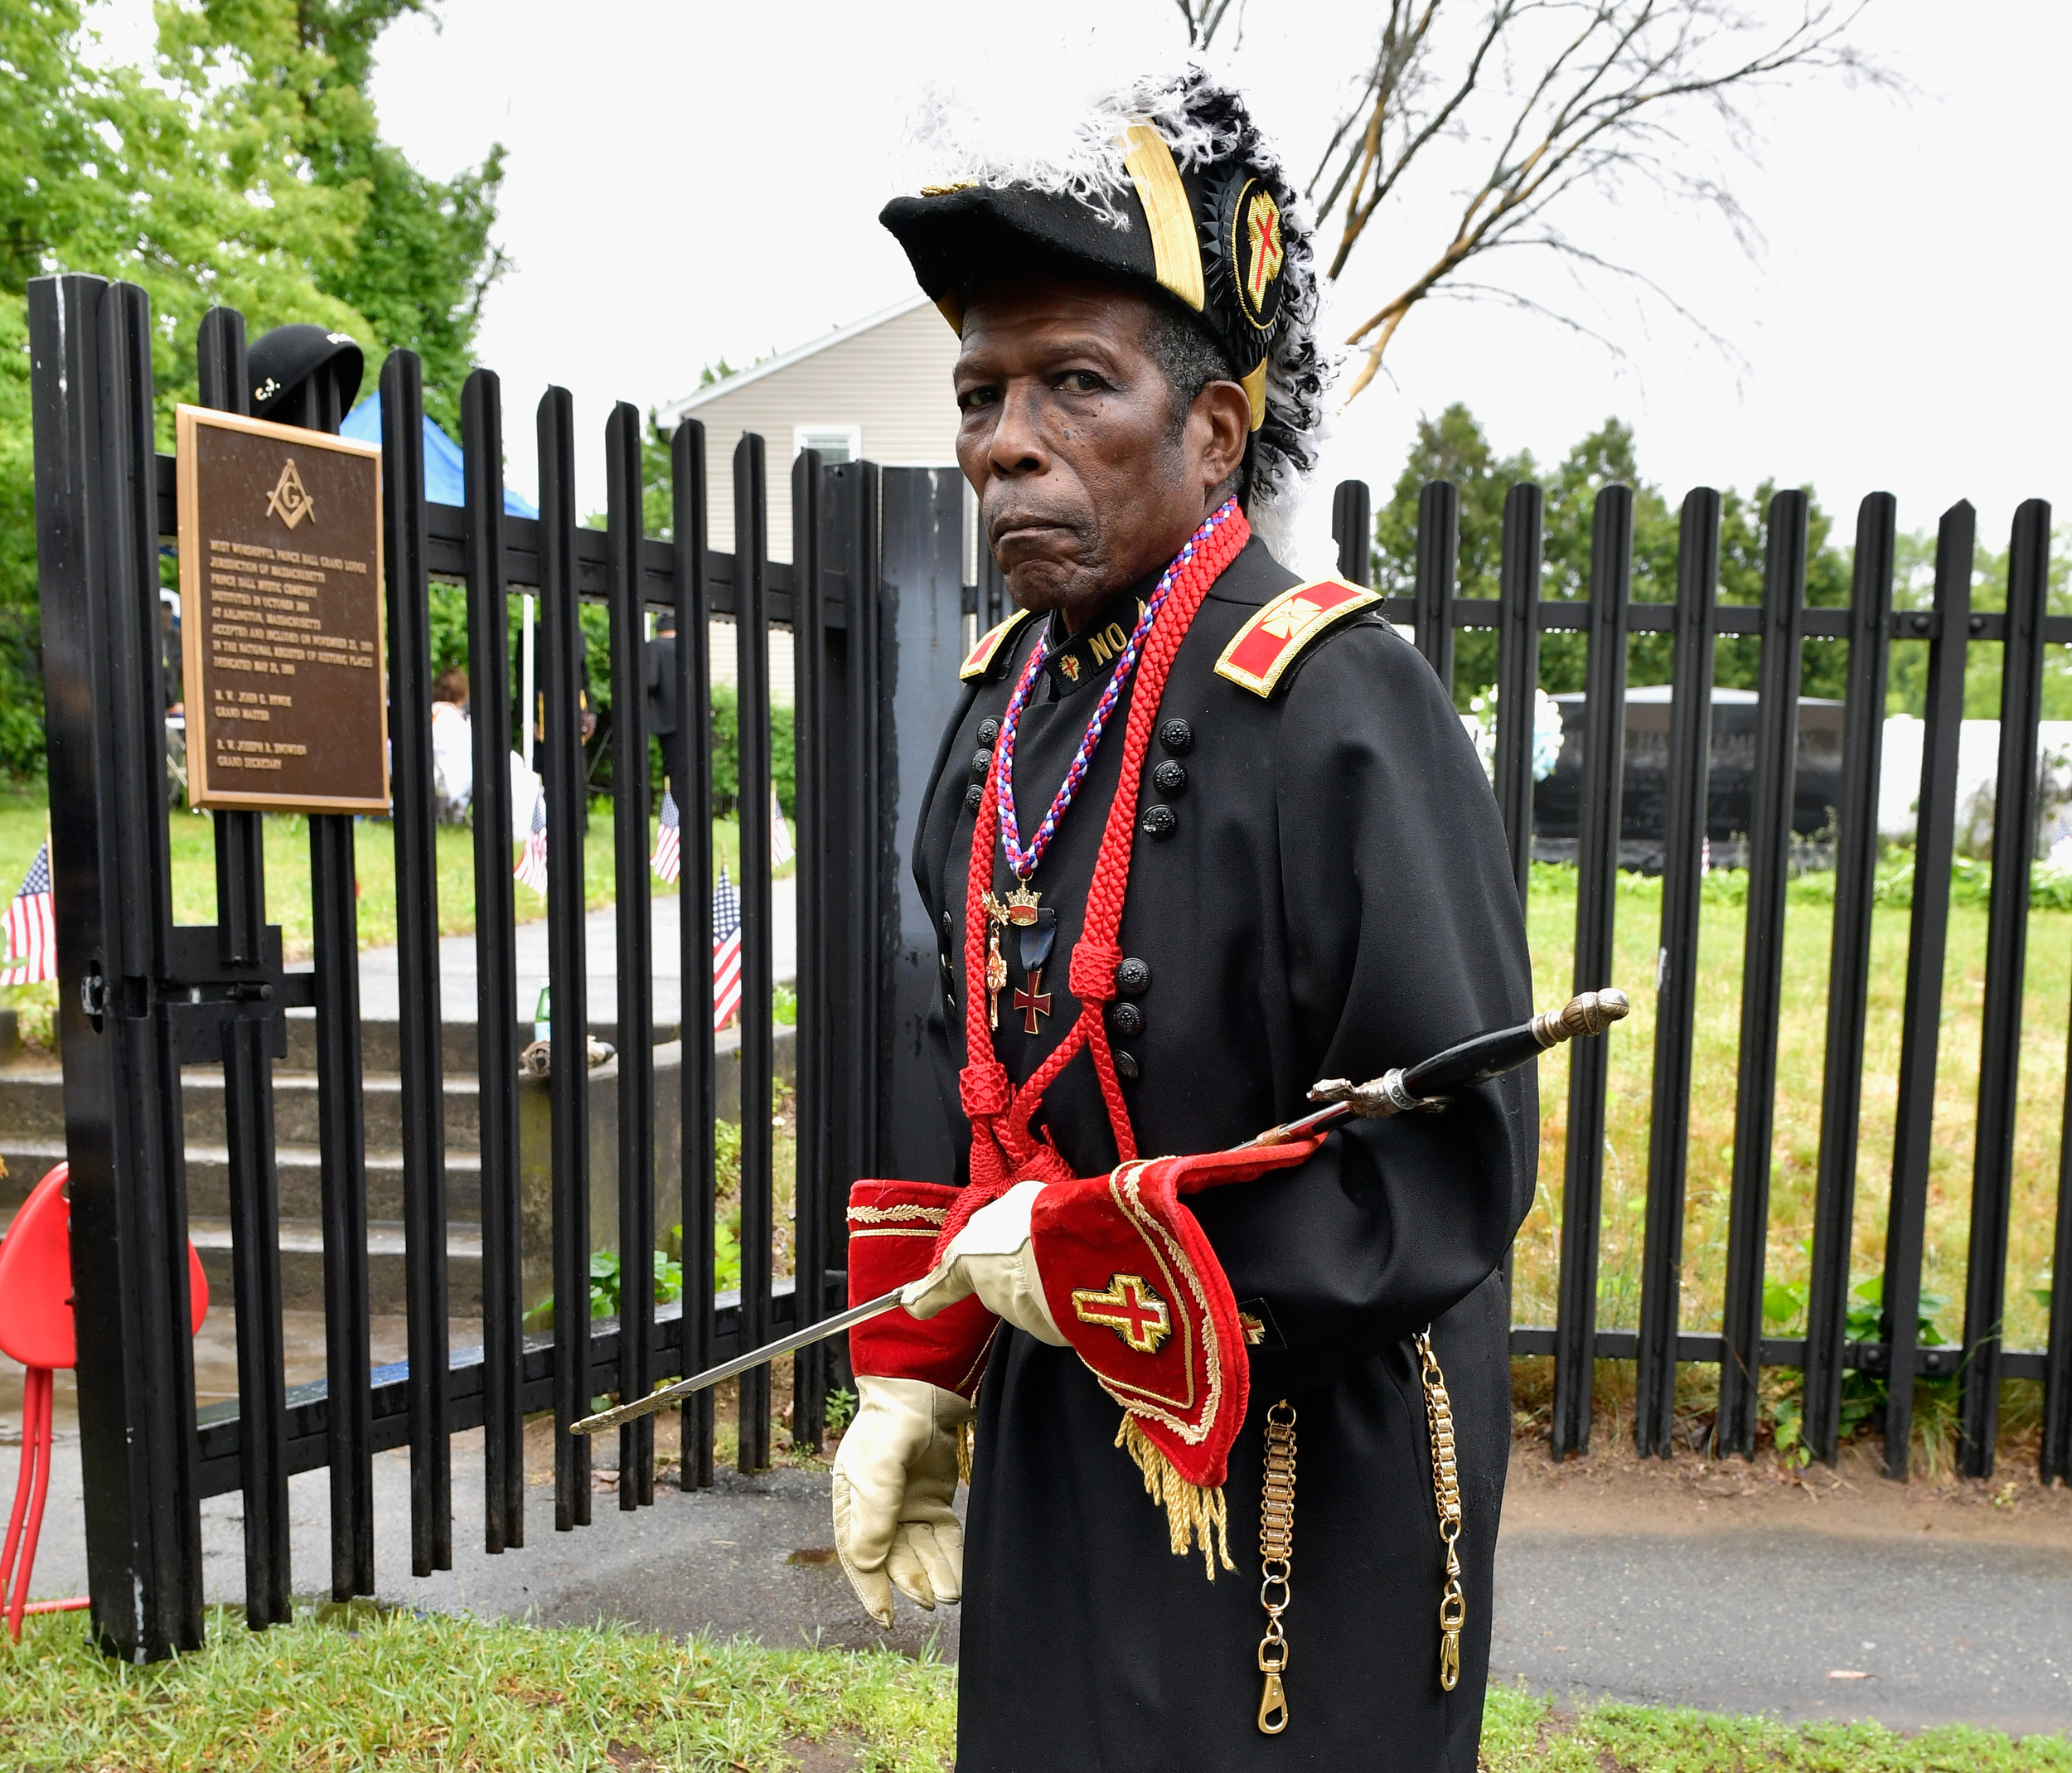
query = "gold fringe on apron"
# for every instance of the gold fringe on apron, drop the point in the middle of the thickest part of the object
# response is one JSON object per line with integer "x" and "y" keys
{"x": 1194, "y": 1516}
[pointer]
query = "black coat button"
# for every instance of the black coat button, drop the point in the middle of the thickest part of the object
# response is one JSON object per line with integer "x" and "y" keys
{"x": 1176, "y": 734}
{"x": 981, "y": 761}
{"x": 989, "y": 730}
{"x": 1125, "y": 1018}
{"x": 1159, "y": 821}
{"x": 972, "y": 796}
{"x": 1170, "y": 777}
{"x": 1126, "y": 1065}
{"x": 1133, "y": 977}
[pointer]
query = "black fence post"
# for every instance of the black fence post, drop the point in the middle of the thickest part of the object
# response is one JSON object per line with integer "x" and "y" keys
{"x": 751, "y": 633}
{"x": 489, "y": 695}
{"x": 248, "y": 1113}
{"x": 1438, "y": 574}
{"x": 1518, "y": 671}
{"x": 1597, "y": 831}
{"x": 1947, "y": 630}
{"x": 419, "y": 1024}
{"x": 920, "y": 645}
{"x": 1849, "y": 973}
{"x": 811, "y": 838}
{"x": 693, "y": 807}
{"x": 334, "y": 889}
{"x": 97, "y": 572}
{"x": 1763, "y": 969}
{"x": 1352, "y": 529}
{"x": 1675, "y": 972}
{"x": 865, "y": 938}
{"x": 2056, "y": 1464}
{"x": 635, "y": 949}
{"x": 565, "y": 695}
{"x": 2007, "y": 947}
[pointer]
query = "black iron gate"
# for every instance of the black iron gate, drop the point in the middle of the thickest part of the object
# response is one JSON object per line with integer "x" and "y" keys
{"x": 873, "y": 601}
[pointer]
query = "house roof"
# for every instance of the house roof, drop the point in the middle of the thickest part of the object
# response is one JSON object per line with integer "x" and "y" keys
{"x": 672, "y": 410}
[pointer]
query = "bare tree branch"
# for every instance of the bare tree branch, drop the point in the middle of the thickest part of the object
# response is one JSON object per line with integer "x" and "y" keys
{"x": 1564, "y": 95}
{"x": 1205, "y": 18}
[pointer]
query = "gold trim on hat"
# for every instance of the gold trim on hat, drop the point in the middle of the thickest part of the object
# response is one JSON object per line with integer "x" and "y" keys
{"x": 951, "y": 305}
{"x": 1176, "y": 249}
{"x": 1254, "y": 384}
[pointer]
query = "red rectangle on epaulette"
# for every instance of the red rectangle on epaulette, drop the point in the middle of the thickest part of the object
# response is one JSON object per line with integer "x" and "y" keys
{"x": 1263, "y": 648}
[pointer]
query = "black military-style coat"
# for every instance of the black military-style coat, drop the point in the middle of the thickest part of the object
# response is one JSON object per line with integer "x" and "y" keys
{"x": 1332, "y": 898}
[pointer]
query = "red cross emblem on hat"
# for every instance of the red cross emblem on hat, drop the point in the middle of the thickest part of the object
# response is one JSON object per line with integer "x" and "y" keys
{"x": 1129, "y": 1307}
{"x": 1262, "y": 225}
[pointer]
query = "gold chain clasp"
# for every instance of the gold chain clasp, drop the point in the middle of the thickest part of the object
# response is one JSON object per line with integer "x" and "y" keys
{"x": 1276, "y": 1554}
{"x": 1445, "y": 1489}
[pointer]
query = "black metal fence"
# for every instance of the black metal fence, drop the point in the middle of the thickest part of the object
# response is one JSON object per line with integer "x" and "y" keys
{"x": 873, "y": 577}
{"x": 1782, "y": 622}
{"x": 872, "y": 600}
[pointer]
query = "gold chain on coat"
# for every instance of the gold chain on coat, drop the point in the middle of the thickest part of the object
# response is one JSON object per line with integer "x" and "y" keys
{"x": 1445, "y": 1489}
{"x": 1276, "y": 1555}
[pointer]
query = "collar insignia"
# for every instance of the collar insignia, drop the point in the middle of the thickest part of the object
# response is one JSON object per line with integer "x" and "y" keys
{"x": 1265, "y": 645}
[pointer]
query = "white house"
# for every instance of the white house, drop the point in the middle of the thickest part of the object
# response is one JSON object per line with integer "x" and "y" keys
{"x": 878, "y": 390}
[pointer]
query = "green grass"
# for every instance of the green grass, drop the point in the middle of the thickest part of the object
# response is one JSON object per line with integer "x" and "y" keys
{"x": 1795, "y": 1146}
{"x": 353, "y": 1688}
{"x": 1521, "y": 1732}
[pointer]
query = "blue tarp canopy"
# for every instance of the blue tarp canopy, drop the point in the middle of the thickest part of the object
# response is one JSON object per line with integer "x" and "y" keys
{"x": 444, "y": 484}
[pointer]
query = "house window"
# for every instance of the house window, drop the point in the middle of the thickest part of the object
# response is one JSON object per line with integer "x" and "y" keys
{"x": 836, "y": 442}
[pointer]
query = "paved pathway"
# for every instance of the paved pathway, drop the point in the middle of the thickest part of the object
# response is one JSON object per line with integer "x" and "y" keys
{"x": 1763, "y": 1621}
{"x": 380, "y": 989}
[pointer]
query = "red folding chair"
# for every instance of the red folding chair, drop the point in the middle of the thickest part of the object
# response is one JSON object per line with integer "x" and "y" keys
{"x": 36, "y": 1328}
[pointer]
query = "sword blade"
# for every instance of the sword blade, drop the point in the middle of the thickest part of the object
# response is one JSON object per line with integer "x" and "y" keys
{"x": 798, "y": 1339}
{"x": 1487, "y": 1055}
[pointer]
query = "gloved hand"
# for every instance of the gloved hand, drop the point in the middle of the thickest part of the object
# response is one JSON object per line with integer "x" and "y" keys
{"x": 895, "y": 1474}
{"x": 993, "y": 1257}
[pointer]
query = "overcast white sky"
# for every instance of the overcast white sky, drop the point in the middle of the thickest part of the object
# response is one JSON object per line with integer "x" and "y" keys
{"x": 690, "y": 180}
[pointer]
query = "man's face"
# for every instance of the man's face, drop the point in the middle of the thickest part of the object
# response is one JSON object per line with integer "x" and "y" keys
{"x": 1085, "y": 482}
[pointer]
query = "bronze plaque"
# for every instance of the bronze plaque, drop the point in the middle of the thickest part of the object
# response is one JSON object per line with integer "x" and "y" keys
{"x": 280, "y": 605}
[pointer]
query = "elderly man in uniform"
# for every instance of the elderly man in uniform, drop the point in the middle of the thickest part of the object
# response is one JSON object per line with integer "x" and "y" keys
{"x": 1200, "y": 835}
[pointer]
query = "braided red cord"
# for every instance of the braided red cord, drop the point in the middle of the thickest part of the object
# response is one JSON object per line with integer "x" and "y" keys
{"x": 1002, "y": 1149}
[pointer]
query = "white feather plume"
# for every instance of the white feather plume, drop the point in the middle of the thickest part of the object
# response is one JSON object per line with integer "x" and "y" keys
{"x": 1051, "y": 136}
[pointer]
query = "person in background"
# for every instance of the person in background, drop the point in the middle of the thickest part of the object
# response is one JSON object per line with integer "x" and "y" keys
{"x": 658, "y": 676}
{"x": 452, "y": 747}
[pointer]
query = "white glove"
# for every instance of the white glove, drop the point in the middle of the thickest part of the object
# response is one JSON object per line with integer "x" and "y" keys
{"x": 993, "y": 1257}
{"x": 894, "y": 1474}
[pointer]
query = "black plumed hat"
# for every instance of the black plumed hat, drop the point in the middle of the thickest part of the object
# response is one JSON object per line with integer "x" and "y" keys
{"x": 285, "y": 360}
{"x": 1168, "y": 181}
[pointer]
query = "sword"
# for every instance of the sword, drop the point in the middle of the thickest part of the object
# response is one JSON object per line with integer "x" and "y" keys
{"x": 1421, "y": 1089}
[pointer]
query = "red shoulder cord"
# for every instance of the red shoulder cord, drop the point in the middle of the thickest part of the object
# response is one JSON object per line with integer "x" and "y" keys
{"x": 1002, "y": 1149}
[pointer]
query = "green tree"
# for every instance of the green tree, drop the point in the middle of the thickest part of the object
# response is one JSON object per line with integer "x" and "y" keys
{"x": 1913, "y": 588}
{"x": 1456, "y": 449}
{"x": 243, "y": 167}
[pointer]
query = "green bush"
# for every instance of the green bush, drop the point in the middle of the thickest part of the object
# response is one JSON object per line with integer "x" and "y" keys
{"x": 726, "y": 740}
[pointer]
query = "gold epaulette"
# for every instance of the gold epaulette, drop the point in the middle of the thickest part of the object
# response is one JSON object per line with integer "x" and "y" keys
{"x": 1265, "y": 645}
{"x": 981, "y": 660}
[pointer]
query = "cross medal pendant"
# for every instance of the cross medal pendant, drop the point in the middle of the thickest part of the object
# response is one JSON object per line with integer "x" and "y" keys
{"x": 1039, "y": 927}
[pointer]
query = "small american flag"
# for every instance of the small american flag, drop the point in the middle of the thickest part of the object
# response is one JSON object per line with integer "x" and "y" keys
{"x": 30, "y": 925}
{"x": 668, "y": 859}
{"x": 781, "y": 849}
{"x": 532, "y": 866}
{"x": 726, "y": 951}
